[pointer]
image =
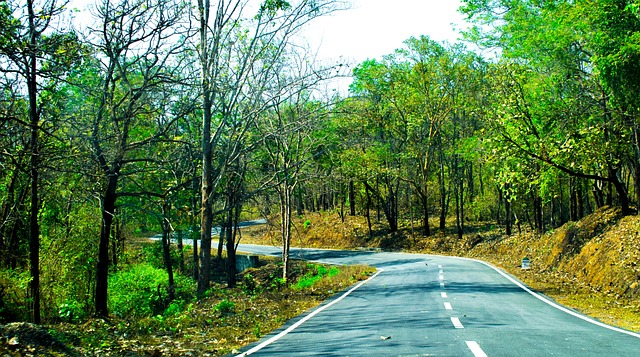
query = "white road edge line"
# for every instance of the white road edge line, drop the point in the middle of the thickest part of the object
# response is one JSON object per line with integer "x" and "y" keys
{"x": 456, "y": 322}
{"x": 447, "y": 306}
{"x": 306, "y": 318}
{"x": 475, "y": 349}
{"x": 555, "y": 305}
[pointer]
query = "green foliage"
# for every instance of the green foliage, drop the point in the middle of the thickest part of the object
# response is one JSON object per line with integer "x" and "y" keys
{"x": 225, "y": 306}
{"x": 249, "y": 285}
{"x": 153, "y": 254}
{"x": 140, "y": 290}
{"x": 271, "y": 7}
{"x": 315, "y": 274}
{"x": 14, "y": 304}
{"x": 71, "y": 311}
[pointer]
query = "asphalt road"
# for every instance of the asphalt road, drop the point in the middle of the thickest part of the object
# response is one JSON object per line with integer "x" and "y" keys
{"x": 424, "y": 305}
{"x": 215, "y": 231}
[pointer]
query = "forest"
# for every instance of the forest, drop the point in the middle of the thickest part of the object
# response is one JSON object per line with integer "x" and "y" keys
{"x": 152, "y": 116}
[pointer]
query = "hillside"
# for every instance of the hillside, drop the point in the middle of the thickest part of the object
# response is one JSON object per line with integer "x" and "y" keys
{"x": 590, "y": 265}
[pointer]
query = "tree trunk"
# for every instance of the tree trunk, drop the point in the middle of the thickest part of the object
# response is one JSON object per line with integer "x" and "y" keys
{"x": 507, "y": 214}
{"x": 368, "y": 211}
{"x": 425, "y": 215}
{"x": 499, "y": 209}
{"x": 621, "y": 190}
{"x": 221, "y": 240}
{"x": 352, "y": 199}
{"x": 193, "y": 233}
{"x": 231, "y": 225}
{"x": 538, "y": 213}
{"x": 459, "y": 196}
{"x": 598, "y": 194}
{"x": 34, "y": 227}
{"x": 285, "y": 213}
{"x": 166, "y": 249}
{"x": 580, "y": 198}
{"x": 181, "y": 250}
{"x": 443, "y": 197}
{"x": 102, "y": 268}
{"x": 573, "y": 202}
{"x": 206, "y": 216}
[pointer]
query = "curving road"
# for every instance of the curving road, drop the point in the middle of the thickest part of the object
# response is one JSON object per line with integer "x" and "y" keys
{"x": 424, "y": 305}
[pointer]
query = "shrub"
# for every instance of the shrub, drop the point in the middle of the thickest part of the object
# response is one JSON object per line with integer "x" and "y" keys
{"x": 14, "y": 305}
{"x": 71, "y": 311}
{"x": 140, "y": 291}
{"x": 316, "y": 273}
{"x": 225, "y": 306}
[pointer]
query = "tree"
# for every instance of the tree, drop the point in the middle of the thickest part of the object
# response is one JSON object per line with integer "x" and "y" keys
{"x": 237, "y": 57}
{"x": 135, "y": 67}
{"x": 555, "y": 105}
{"x": 33, "y": 46}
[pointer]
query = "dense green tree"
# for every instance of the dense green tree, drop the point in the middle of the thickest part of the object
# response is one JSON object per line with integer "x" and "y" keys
{"x": 554, "y": 103}
{"x": 131, "y": 89}
{"x": 34, "y": 47}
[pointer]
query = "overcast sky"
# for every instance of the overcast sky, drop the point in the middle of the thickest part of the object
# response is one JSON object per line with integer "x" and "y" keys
{"x": 373, "y": 28}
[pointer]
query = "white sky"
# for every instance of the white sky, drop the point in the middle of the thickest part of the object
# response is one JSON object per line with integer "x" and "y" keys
{"x": 373, "y": 28}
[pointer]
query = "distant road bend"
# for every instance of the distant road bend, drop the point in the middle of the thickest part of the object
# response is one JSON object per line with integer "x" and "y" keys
{"x": 214, "y": 231}
{"x": 425, "y": 305}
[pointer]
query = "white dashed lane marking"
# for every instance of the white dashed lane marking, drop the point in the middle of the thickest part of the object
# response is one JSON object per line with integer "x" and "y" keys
{"x": 447, "y": 306}
{"x": 456, "y": 322}
{"x": 444, "y": 295}
{"x": 475, "y": 349}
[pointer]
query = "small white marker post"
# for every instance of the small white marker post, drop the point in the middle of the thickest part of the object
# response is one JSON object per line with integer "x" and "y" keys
{"x": 526, "y": 263}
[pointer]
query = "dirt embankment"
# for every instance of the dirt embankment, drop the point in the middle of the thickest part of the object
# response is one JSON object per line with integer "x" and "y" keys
{"x": 598, "y": 253}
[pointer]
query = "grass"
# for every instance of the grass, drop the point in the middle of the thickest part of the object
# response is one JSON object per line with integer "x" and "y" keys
{"x": 316, "y": 274}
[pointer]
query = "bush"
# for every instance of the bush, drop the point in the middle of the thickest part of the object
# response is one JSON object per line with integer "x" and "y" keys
{"x": 316, "y": 273}
{"x": 140, "y": 291}
{"x": 14, "y": 305}
{"x": 71, "y": 311}
{"x": 225, "y": 306}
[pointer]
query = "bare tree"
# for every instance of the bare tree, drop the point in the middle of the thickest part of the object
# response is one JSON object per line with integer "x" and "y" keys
{"x": 238, "y": 49}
